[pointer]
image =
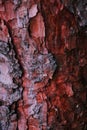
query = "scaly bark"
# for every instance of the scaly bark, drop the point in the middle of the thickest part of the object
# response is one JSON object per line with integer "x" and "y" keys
{"x": 43, "y": 65}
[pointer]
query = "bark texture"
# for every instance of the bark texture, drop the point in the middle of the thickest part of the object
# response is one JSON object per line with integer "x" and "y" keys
{"x": 43, "y": 65}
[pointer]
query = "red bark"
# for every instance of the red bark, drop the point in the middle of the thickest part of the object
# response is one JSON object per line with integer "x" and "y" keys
{"x": 43, "y": 67}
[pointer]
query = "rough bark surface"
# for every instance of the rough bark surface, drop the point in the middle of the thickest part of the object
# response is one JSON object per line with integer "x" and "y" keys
{"x": 43, "y": 65}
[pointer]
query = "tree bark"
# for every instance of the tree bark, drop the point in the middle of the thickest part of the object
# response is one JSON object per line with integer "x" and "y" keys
{"x": 43, "y": 65}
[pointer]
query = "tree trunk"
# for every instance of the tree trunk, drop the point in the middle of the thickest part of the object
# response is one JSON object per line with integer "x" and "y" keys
{"x": 43, "y": 65}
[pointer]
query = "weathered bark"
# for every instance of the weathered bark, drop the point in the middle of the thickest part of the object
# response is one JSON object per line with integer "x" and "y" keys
{"x": 43, "y": 65}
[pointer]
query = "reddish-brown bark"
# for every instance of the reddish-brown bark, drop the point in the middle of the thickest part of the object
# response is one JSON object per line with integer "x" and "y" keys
{"x": 43, "y": 65}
